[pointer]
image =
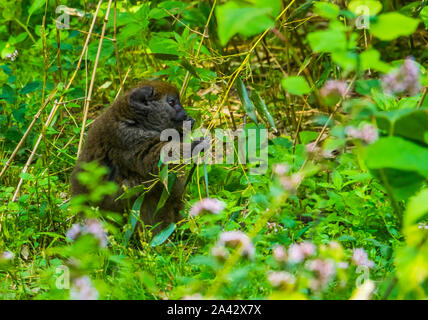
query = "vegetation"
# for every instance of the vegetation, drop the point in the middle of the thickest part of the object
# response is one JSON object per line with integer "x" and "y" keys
{"x": 341, "y": 87}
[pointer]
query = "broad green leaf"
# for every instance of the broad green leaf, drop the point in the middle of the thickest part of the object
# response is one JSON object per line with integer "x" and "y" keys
{"x": 262, "y": 109}
{"x": 133, "y": 218}
{"x": 326, "y": 10}
{"x": 172, "y": 177}
{"x": 245, "y": 99}
{"x": 36, "y": 5}
{"x": 417, "y": 207}
{"x": 399, "y": 164}
{"x": 392, "y": 25}
{"x": 296, "y": 85}
{"x": 107, "y": 50}
{"x": 327, "y": 40}
{"x": 370, "y": 59}
{"x": 31, "y": 87}
{"x": 397, "y": 153}
{"x": 424, "y": 16}
{"x": 162, "y": 236}
{"x": 358, "y": 6}
{"x": 234, "y": 18}
{"x": 159, "y": 44}
{"x": 408, "y": 123}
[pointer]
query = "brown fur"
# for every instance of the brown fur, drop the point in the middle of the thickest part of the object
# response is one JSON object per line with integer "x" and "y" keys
{"x": 126, "y": 139}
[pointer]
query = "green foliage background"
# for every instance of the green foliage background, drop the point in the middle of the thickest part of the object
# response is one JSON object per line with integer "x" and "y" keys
{"x": 252, "y": 64}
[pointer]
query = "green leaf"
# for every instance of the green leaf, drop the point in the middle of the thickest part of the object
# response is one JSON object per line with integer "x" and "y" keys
{"x": 172, "y": 177}
{"x": 392, "y": 25}
{"x": 417, "y": 207}
{"x": 370, "y": 59}
{"x": 159, "y": 44}
{"x": 296, "y": 85}
{"x": 36, "y": 5}
{"x": 424, "y": 16}
{"x": 31, "y": 87}
{"x": 399, "y": 164}
{"x": 246, "y": 102}
{"x": 397, "y": 153}
{"x": 326, "y": 10}
{"x": 327, "y": 40}
{"x": 262, "y": 109}
{"x": 234, "y": 18}
{"x": 408, "y": 123}
{"x": 374, "y": 6}
{"x": 162, "y": 236}
{"x": 133, "y": 218}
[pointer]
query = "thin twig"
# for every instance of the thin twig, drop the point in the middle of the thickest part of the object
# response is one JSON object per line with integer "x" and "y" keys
{"x": 91, "y": 85}
{"x": 57, "y": 103}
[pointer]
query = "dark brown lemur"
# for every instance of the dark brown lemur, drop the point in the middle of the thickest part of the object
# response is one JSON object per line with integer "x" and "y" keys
{"x": 126, "y": 139}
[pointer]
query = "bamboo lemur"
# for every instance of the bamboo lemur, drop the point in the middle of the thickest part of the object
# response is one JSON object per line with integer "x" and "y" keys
{"x": 126, "y": 139}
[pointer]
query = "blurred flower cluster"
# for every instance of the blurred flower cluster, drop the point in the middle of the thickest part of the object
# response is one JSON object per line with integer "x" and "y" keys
{"x": 92, "y": 227}
{"x": 209, "y": 205}
{"x": 304, "y": 266}
{"x": 368, "y": 133}
{"x": 404, "y": 79}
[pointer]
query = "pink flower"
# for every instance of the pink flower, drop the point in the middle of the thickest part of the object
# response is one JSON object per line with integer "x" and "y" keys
{"x": 295, "y": 254}
{"x": 196, "y": 296}
{"x": 299, "y": 252}
{"x": 7, "y": 255}
{"x": 292, "y": 182}
{"x": 272, "y": 226}
{"x": 83, "y": 289}
{"x": 360, "y": 258}
{"x": 281, "y": 279}
{"x": 403, "y": 79}
{"x": 333, "y": 91}
{"x": 280, "y": 169}
{"x": 307, "y": 248}
{"x": 93, "y": 227}
{"x": 280, "y": 254}
{"x": 368, "y": 133}
{"x": 74, "y": 232}
{"x": 312, "y": 147}
{"x": 235, "y": 238}
{"x": 208, "y": 204}
{"x": 335, "y": 88}
{"x": 219, "y": 252}
{"x": 324, "y": 269}
{"x": 11, "y": 56}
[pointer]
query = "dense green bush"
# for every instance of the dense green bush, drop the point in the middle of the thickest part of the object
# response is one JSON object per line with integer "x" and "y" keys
{"x": 341, "y": 87}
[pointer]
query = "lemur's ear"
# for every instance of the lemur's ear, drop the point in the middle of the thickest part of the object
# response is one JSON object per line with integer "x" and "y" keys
{"x": 140, "y": 96}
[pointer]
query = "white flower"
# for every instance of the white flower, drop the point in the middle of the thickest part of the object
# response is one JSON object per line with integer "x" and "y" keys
{"x": 295, "y": 254}
{"x": 280, "y": 169}
{"x": 360, "y": 258}
{"x": 299, "y": 252}
{"x": 7, "y": 255}
{"x": 281, "y": 279}
{"x": 368, "y": 133}
{"x": 324, "y": 269}
{"x": 208, "y": 204}
{"x": 196, "y": 296}
{"x": 91, "y": 226}
{"x": 292, "y": 182}
{"x": 234, "y": 238}
{"x": 83, "y": 289}
{"x": 219, "y": 252}
{"x": 280, "y": 254}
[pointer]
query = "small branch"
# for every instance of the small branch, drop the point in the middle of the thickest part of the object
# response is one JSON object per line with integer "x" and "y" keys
{"x": 91, "y": 85}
